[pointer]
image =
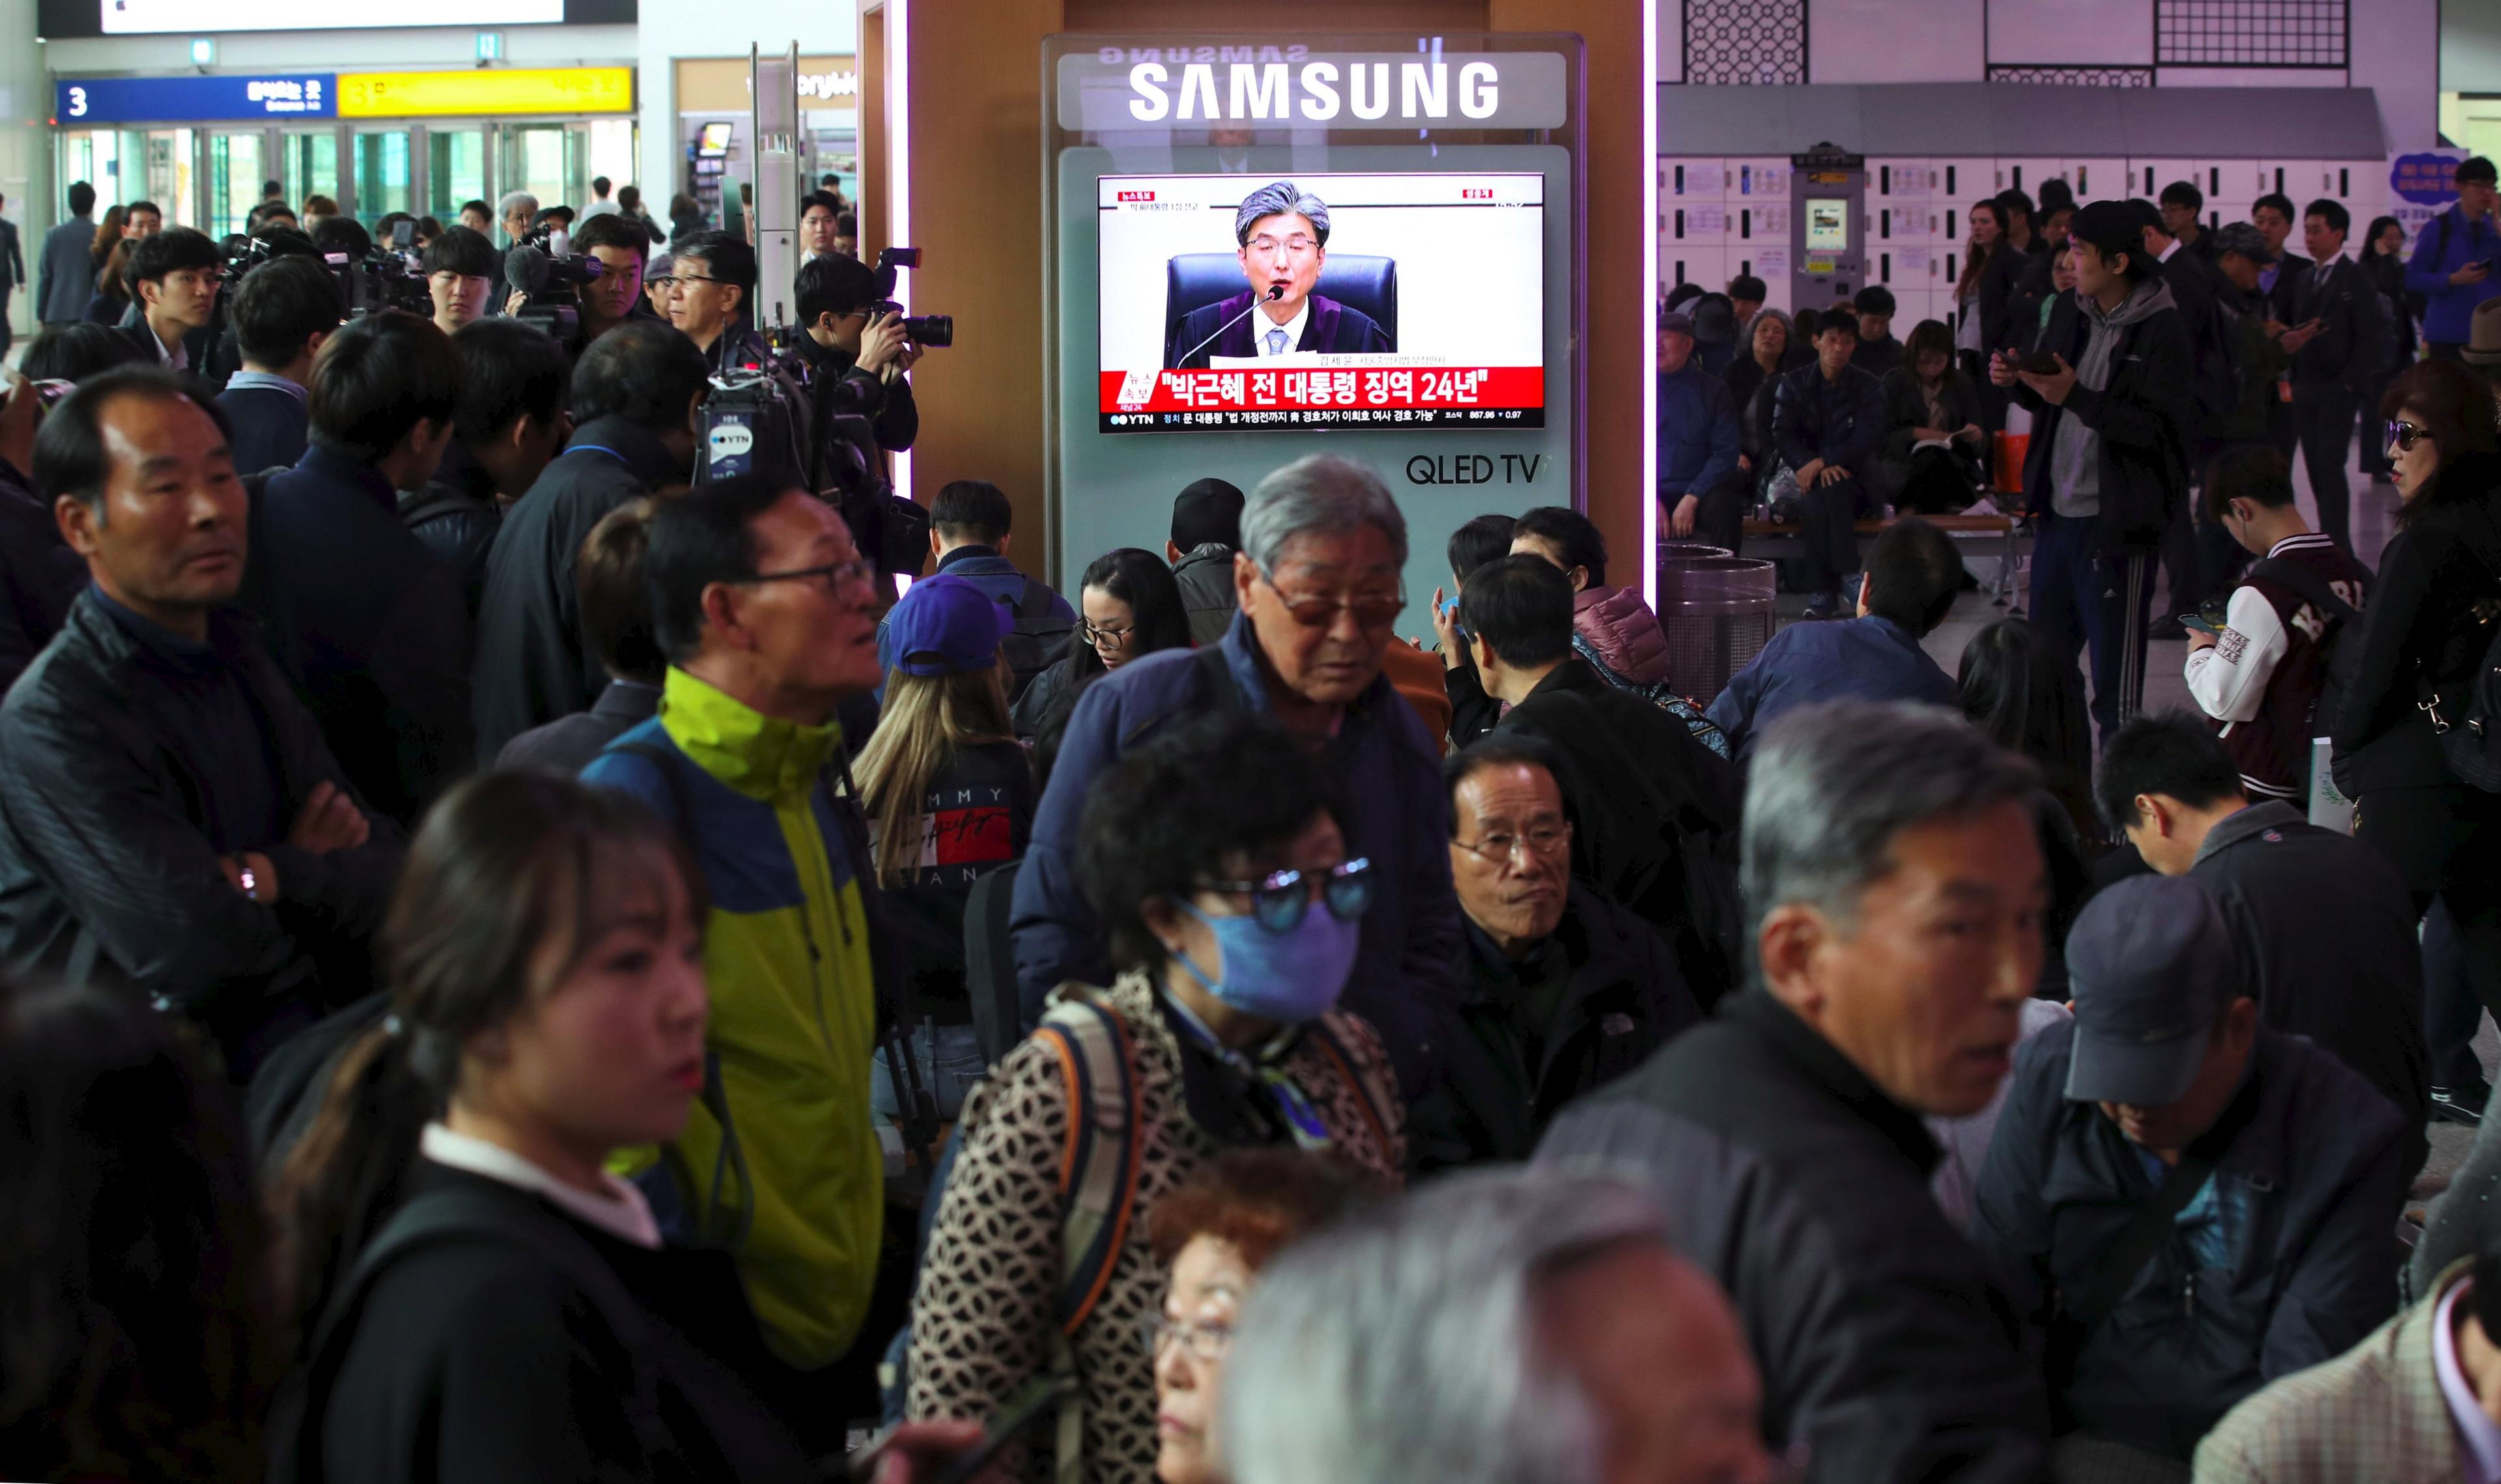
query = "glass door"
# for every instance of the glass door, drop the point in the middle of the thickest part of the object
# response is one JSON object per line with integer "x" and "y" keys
{"x": 235, "y": 174}
{"x": 455, "y": 173}
{"x": 170, "y": 174}
{"x": 549, "y": 161}
{"x": 309, "y": 166}
{"x": 382, "y": 173}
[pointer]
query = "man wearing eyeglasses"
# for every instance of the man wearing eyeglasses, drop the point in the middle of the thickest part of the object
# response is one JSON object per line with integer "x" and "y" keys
{"x": 1318, "y": 585}
{"x": 860, "y": 356}
{"x": 1560, "y": 990}
{"x": 767, "y": 616}
{"x": 1282, "y": 236}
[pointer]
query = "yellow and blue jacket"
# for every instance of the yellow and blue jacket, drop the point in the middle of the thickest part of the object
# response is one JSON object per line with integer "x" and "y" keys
{"x": 780, "y": 1161}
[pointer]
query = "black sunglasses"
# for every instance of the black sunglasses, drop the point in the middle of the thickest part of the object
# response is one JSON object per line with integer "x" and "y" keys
{"x": 2403, "y": 434}
{"x": 1282, "y": 898}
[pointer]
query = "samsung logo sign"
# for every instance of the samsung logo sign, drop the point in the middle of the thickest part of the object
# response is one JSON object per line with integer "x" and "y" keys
{"x": 1274, "y": 90}
{"x": 1114, "y": 89}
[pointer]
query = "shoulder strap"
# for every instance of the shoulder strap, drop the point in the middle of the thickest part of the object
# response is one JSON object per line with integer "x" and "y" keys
{"x": 1223, "y": 694}
{"x": 1031, "y": 606}
{"x": 1098, "y": 1167}
{"x": 2311, "y": 587}
{"x": 1369, "y": 1097}
{"x": 450, "y": 1215}
{"x": 2123, "y": 1260}
{"x": 2441, "y": 226}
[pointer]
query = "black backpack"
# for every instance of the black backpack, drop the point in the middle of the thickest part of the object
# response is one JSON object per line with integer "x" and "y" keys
{"x": 1039, "y": 639}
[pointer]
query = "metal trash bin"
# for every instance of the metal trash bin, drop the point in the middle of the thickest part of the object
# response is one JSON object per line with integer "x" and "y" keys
{"x": 1676, "y": 553}
{"x": 1716, "y": 613}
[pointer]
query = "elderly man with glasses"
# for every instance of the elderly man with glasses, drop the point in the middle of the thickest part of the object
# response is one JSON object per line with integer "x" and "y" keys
{"x": 1318, "y": 585}
{"x": 1561, "y": 991}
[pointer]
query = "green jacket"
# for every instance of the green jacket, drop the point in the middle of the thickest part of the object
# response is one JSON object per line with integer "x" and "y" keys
{"x": 800, "y": 1197}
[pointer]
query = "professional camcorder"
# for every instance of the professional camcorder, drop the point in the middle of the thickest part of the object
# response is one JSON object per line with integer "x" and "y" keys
{"x": 382, "y": 281}
{"x": 930, "y": 332}
{"x": 548, "y": 282}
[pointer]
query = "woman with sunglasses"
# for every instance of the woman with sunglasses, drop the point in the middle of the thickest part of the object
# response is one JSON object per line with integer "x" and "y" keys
{"x": 1215, "y": 1234}
{"x": 1214, "y": 858}
{"x": 2423, "y": 633}
{"x": 1132, "y": 608}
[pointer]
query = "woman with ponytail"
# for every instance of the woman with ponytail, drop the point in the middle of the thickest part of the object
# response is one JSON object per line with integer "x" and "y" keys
{"x": 476, "y": 1298}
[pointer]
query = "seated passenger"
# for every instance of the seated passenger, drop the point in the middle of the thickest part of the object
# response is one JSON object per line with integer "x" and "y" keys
{"x": 1927, "y": 401}
{"x": 1699, "y": 439}
{"x": 1214, "y": 857}
{"x": 1611, "y": 627}
{"x": 1828, "y": 420}
{"x": 2192, "y": 1203}
{"x": 1913, "y": 576}
{"x": 1562, "y": 990}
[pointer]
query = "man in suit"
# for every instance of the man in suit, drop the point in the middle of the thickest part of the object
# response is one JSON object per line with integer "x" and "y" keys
{"x": 174, "y": 281}
{"x": 284, "y": 310}
{"x": 2339, "y": 342}
{"x": 13, "y": 272}
{"x": 68, "y": 263}
{"x": 2274, "y": 217}
{"x": 1282, "y": 237}
{"x": 2193, "y": 280}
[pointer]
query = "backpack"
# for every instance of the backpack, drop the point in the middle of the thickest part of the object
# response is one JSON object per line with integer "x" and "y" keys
{"x": 1040, "y": 637}
{"x": 1098, "y": 1184}
{"x": 2336, "y": 660}
{"x": 439, "y": 1218}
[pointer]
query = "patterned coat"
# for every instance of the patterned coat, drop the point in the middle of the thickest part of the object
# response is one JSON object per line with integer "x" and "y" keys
{"x": 982, "y": 1320}
{"x": 2375, "y": 1412}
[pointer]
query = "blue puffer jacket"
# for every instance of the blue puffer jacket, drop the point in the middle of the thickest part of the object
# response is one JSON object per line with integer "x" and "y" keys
{"x": 1397, "y": 816}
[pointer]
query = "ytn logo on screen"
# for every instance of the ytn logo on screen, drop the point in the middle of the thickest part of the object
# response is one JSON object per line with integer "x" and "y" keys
{"x": 1278, "y": 90}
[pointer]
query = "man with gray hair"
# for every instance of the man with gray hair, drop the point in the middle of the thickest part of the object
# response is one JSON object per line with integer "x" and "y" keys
{"x": 516, "y": 211}
{"x": 1521, "y": 1324}
{"x": 1282, "y": 236}
{"x": 1318, "y": 587}
{"x": 1896, "y": 890}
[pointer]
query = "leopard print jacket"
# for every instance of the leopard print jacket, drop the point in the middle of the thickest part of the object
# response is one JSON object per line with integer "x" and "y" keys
{"x": 982, "y": 1318}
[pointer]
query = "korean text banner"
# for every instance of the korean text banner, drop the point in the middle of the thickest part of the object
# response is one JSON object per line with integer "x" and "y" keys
{"x": 193, "y": 99}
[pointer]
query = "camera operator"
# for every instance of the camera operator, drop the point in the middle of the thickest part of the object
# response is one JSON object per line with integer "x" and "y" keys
{"x": 460, "y": 270}
{"x": 174, "y": 280}
{"x": 506, "y": 426}
{"x": 617, "y": 294}
{"x": 860, "y": 356}
{"x": 363, "y": 616}
{"x": 635, "y": 391}
{"x": 282, "y": 312}
{"x": 711, "y": 286}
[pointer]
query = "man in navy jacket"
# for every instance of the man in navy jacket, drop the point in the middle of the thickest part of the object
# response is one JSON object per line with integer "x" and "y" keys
{"x": 282, "y": 310}
{"x": 1828, "y": 420}
{"x": 1318, "y": 586}
{"x": 1699, "y": 485}
{"x": 366, "y": 620}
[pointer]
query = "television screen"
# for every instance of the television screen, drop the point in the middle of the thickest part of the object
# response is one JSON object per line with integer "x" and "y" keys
{"x": 1321, "y": 300}
{"x": 714, "y": 139}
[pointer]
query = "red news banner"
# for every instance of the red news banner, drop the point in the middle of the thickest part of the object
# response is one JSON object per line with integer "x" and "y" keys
{"x": 1428, "y": 396}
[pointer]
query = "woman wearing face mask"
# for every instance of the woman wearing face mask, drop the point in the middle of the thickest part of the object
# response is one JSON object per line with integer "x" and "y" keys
{"x": 1213, "y": 859}
{"x": 1215, "y": 1234}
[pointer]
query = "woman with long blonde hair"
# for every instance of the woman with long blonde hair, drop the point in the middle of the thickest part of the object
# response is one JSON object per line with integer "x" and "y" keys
{"x": 949, "y": 795}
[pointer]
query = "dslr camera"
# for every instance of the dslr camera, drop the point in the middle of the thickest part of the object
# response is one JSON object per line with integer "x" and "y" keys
{"x": 930, "y": 332}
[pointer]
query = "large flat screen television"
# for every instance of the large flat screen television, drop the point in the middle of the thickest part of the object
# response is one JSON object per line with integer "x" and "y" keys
{"x": 1320, "y": 300}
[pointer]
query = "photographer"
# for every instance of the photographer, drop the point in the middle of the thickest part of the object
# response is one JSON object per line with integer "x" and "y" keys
{"x": 460, "y": 270}
{"x": 711, "y": 284}
{"x": 366, "y": 620}
{"x": 283, "y": 312}
{"x": 173, "y": 278}
{"x": 859, "y": 357}
{"x": 506, "y": 424}
{"x": 617, "y": 294}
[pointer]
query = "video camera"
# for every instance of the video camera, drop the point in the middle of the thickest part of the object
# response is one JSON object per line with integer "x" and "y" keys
{"x": 930, "y": 332}
{"x": 548, "y": 280}
{"x": 381, "y": 279}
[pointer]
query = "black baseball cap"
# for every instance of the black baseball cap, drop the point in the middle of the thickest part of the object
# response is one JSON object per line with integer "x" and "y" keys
{"x": 2152, "y": 966}
{"x": 1206, "y": 511}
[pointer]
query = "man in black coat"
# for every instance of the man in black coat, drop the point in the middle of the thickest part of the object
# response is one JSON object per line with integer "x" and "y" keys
{"x": 506, "y": 426}
{"x": 1649, "y": 805}
{"x": 1895, "y": 886}
{"x": 282, "y": 310}
{"x": 13, "y": 272}
{"x": 173, "y": 278}
{"x": 1560, "y": 990}
{"x": 171, "y": 819}
{"x": 2109, "y": 458}
{"x": 1827, "y": 422}
{"x": 2339, "y": 342}
{"x": 39, "y": 576}
{"x": 1206, "y": 532}
{"x": 2323, "y": 920}
{"x": 368, "y": 621}
{"x": 634, "y": 392}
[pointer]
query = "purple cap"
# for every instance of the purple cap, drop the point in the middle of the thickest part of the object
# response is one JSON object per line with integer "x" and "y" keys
{"x": 944, "y": 625}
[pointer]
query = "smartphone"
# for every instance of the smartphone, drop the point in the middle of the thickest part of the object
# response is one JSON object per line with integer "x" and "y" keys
{"x": 2041, "y": 363}
{"x": 1451, "y": 606}
{"x": 2201, "y": 623}
{"x": 1038, "y": 1400}
{"x": 403, "y": 234}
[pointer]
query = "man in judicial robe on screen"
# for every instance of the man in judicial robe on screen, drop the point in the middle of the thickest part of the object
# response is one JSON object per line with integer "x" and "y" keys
{"x": 1284, "y": 240}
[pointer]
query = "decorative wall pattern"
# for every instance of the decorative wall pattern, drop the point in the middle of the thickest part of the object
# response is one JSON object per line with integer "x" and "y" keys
{"x": 1745, "y": 41}
{"x": 2075, "y": 77}
{"x": 2249, "y": 33}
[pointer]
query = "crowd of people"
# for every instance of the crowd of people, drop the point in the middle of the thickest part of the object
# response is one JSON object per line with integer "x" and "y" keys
{"x": 517, "y": 962}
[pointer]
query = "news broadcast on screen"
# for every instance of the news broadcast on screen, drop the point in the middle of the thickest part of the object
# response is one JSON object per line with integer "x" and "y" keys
{"x": 1321, "y": 301}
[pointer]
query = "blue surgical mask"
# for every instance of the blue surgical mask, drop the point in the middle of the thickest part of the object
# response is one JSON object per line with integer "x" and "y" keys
{"x": 1289, "y": 976}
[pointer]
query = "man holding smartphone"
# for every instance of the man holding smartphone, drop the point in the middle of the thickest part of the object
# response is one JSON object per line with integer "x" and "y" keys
{"x": 2454, "y": 257}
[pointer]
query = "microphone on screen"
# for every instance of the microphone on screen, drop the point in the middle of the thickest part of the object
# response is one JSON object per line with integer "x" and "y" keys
{"x": 1275, "y": 291}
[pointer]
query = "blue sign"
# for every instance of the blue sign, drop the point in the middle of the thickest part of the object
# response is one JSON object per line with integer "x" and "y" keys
{"x": 195, "y": 99}
{"x": 2426, "y": 180}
